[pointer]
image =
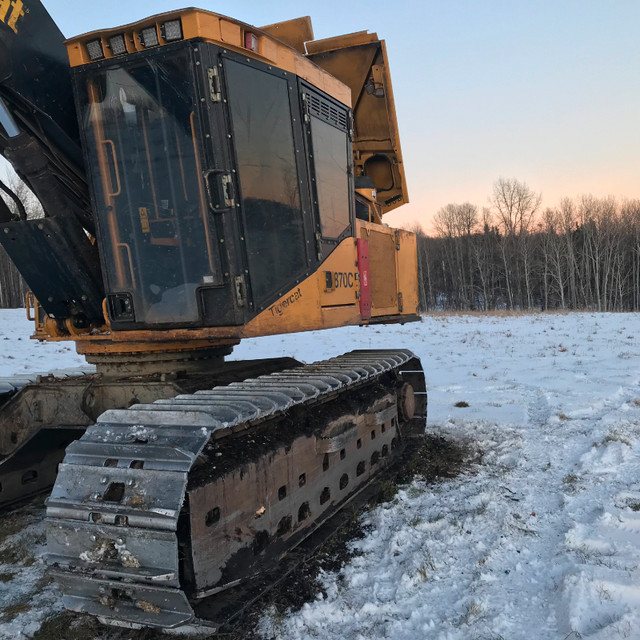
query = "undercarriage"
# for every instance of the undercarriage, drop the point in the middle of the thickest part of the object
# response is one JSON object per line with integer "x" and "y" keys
{"x": 160, "y": 508}
{"x": 41, "y": 414}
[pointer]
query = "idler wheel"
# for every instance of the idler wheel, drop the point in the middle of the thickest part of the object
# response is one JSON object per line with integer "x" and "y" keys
{"x": 406, "y": 402}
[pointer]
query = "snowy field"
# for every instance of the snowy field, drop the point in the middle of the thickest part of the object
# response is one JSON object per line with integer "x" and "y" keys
{"x": 540, "y": 539}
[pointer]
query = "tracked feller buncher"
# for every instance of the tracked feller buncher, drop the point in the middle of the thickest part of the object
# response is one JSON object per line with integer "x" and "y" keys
{"x": 202, "y": 181}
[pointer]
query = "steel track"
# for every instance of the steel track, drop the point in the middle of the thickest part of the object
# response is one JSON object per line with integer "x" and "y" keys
{"x": 131, "y": 531}
{"x": 226, "y": 610}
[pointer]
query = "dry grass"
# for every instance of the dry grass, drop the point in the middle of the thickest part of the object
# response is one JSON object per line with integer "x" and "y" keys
{"x": 388, "y": 490}
{"x": 425, "y": 568}
{"x": 10, "y": 524}
{"x": 474, "y": 611}
{"x": 616, "y": 436}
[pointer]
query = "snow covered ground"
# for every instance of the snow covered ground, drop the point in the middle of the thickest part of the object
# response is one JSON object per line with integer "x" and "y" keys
{"x": 541, "y": 539}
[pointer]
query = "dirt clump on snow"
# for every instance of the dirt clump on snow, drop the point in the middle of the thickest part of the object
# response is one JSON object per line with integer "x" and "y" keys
{"x": 440, "y": 458}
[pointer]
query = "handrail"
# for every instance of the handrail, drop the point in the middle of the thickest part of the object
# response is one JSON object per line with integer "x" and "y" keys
{"x": 127, "y": 248}
{"x": 113, "y": 194}
{"x": 30, "y": 305}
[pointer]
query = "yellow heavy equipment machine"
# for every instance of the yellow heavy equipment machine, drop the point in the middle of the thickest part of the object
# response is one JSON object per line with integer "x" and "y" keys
{"x": 202, "y": 181}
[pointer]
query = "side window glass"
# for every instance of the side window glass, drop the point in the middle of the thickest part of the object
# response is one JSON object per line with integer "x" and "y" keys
{"x": 330, "y": 143}
{"x": 268, "y": 176}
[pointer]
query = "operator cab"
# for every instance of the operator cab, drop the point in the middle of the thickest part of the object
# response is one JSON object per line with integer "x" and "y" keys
{"x": 219, "y": 182}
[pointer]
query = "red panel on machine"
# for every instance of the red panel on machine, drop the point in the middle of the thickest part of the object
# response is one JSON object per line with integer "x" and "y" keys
{"x": 363, "y": 270}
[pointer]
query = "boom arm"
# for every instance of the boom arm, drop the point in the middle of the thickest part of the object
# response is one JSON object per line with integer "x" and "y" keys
{"x": 39, "y": 137}
{"x": 39, "y": 133}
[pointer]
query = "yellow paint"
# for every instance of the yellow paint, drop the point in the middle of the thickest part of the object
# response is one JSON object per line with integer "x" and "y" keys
{"x": 144, "y": 220}
{"x": 393, "y": 269}
{"x": 356, "y": 59}
{"x": 16, "y": 13}
{"x": 307, "y": 306}
{"x": 311, "y": 304}
{"x": 4, "y": 9}
{"x": 230, "y": 32}
{"x": 345, "y": 286}
{"x": 88, "y": 348}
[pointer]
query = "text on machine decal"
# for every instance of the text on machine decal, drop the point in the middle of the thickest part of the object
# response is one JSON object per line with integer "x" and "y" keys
{"x": 344, "y": 279}
{"x": 278, "y": 308}
{"x": 10, "y": 18}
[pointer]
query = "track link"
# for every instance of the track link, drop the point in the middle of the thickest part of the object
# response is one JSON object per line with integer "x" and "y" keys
{"x": 160, "y": 507}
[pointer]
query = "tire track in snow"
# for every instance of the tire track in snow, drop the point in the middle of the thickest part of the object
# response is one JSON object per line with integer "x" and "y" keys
{"x": 601, "y": 595}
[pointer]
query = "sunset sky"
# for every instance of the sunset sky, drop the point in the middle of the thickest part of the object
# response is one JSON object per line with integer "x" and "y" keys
{"x": 545, "y": 91}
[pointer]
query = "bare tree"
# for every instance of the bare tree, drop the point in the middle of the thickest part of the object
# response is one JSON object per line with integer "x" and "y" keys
{"x": 515, "y": 205}
{"x": 583, "y": 254}
{"x": 556, "y": 262}
{"x": 455, "y": 223}
{"x": 630, "y": 220}
{"x": 484, "y": 251}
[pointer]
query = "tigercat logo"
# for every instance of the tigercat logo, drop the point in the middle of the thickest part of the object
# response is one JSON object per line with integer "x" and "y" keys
{"x": 10, "y": 12}
{"x": 280, "y": 307}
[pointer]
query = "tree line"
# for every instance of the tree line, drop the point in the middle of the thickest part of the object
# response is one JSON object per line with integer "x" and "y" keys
{"x": 583, "y": 254}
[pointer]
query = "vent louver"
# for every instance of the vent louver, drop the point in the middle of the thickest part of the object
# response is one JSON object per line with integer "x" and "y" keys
{"x": 325, "y": 110}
